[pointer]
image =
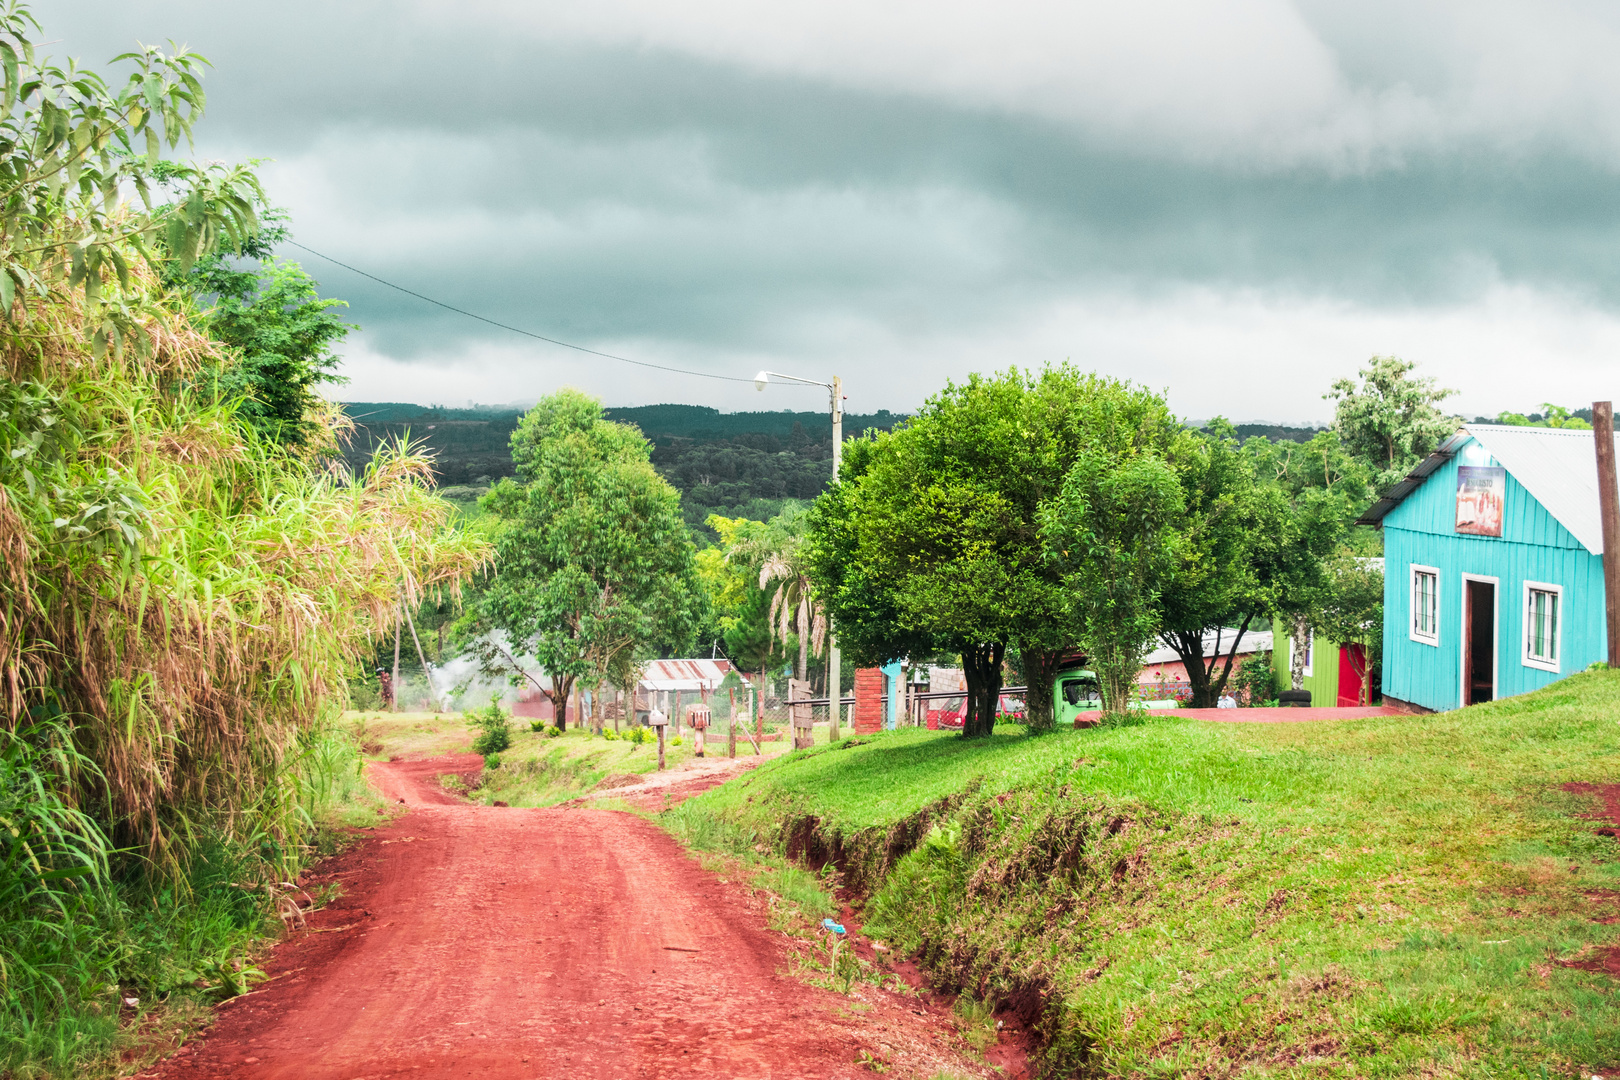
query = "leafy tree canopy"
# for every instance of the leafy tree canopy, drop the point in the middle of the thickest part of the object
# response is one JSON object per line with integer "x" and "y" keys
{"x": 595, "y": 570}
{"x": 932, "y": 538}
{"x": 1391, "y": 420}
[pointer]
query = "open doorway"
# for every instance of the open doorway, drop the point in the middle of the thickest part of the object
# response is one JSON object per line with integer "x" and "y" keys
{"x": 1479, "y": 640}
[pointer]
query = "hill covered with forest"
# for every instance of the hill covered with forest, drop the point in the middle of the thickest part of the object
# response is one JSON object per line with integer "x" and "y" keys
{"x": 734, "y": 464}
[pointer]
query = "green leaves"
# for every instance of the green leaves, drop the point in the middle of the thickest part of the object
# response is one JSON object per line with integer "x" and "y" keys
{"x": 596, "y": 569}
{"x": 68, "y": 147}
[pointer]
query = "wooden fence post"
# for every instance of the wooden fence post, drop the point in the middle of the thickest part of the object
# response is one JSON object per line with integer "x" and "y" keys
{"x": 1609, "y": 509}
{"x": 731, "y": 723}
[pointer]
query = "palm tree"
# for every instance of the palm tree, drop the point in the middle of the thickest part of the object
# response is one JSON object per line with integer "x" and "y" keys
{"x": 793, "y": 607}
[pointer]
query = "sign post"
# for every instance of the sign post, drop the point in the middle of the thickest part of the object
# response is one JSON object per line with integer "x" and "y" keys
{"x": 659, "y": 721}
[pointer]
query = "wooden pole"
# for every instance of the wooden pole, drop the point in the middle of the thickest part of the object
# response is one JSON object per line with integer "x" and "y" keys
{"x": 660, "y": 747}
{"x": 1609, "y": 507}
{"x": 731, "y": 723}
{"x": 398, "y": 623}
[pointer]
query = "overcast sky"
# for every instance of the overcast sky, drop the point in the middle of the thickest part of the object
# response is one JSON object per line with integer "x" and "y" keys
{"x": 1236, "y": 203}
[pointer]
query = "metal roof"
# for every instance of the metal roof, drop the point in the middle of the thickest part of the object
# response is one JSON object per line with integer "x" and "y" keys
{"x": 684, "y": 674}
{"x": 1253, "y": 641}
{"x": 1557, "y": 466}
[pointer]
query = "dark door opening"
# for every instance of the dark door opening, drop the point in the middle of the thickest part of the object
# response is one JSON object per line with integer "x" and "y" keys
{"x": 1479, "y": 642}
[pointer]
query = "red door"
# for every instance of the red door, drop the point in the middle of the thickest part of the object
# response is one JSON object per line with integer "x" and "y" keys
{"x": 1352, "y": 669}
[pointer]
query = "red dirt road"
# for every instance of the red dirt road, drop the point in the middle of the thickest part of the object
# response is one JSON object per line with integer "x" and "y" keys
{"x": 492, "y": 943}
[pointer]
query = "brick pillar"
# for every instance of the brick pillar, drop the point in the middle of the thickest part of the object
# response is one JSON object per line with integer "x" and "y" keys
{"x": 868, "y": 700}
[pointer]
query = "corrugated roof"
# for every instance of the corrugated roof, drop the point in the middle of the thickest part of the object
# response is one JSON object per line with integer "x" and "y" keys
{"x": 684, "y": 674}
{"x": 1557, "y": 466}
{"x": 1253, "y": 641}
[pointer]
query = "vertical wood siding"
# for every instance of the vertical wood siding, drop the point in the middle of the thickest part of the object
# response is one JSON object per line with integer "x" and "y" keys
{"x": 1323, "y": 681}
{"x": 1533, "y": 547}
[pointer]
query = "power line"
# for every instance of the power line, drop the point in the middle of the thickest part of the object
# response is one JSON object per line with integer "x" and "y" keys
{"x": 514, "y": 329}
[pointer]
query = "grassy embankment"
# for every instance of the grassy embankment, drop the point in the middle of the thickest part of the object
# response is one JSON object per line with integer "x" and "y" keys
{"x": 1385, "y": 897}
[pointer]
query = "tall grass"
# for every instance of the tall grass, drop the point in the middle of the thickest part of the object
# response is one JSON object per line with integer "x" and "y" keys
{"x": 180, "y": 607}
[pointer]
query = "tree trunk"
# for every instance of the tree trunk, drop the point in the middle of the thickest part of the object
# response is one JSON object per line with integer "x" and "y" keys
{"x": 561, "y": 687}
{"x": 1300, "y": 632}
{"x": 1207, "y": 685}
{"x": 981, "y": 664}
{"x": 1040, "y": 669}
{"x": 804, "y": 642}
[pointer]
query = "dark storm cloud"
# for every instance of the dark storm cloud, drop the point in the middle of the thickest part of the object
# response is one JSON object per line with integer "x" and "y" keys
{"x": 625, "y": 191}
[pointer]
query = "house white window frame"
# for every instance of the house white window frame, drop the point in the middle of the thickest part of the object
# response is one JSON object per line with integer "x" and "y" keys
{"x": 1412, "y": 632}
{"x": 1529, "y": 660}
{"x": 1496, "y": 636}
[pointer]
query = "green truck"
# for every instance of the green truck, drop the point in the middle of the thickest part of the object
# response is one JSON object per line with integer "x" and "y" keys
{"x": 1075, "y": 691}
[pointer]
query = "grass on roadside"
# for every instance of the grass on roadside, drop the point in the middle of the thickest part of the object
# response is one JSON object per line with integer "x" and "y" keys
{"x": 136, "y": 966}
{"x": 1386, "y": 897}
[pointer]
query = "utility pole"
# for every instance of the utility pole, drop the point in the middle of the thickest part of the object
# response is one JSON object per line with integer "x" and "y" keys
{"x": 835, "y": 692}
{"x": 1609, "y": 508}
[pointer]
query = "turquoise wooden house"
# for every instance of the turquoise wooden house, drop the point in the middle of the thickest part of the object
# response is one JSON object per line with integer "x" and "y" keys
{"x": 1493, "y": 567}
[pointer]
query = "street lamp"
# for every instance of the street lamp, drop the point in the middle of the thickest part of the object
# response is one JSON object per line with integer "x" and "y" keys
{"x": 835, "y": 693}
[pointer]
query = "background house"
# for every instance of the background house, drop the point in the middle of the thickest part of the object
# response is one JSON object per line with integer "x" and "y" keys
{"x": 1333, "y": 671}
{"x": 1493, "y": 581}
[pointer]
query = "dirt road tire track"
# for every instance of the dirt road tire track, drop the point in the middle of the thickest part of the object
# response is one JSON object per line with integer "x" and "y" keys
{"x": 493, "y": 943}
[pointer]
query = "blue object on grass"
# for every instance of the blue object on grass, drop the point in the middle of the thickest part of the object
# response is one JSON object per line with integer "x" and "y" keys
{"x": 828, "y": 924}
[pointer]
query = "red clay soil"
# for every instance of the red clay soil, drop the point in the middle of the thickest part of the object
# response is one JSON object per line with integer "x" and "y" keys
{"x": 1607, "y": 958}
{"x": 1262, "y": 715}
{"x": 488, "y": 942}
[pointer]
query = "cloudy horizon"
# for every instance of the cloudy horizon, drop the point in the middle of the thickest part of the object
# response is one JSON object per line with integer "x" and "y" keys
{"x": 1236, "y": 206}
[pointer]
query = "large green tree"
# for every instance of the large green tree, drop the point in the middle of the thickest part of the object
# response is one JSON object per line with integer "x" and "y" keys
{"x": 937, "y": 542}
{"x": 1111, "y": 530}
{"x": 595, "y": 567}
{"x": 1230, "y": 531}
{"x": 1322, "y": 488}
{"x": 1391, "y": 419}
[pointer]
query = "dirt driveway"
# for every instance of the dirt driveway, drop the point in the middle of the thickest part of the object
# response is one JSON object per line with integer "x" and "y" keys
{"x": 491, "y": 942}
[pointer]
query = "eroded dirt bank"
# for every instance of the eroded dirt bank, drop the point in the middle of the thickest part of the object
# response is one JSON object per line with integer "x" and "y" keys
{"x": 492, "y": 942}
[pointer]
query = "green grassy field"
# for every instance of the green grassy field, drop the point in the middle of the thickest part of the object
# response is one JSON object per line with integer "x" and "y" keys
{"x": 1389, "y": 897}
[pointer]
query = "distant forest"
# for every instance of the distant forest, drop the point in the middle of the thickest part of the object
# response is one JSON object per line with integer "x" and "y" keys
{"x": 733, "y": 464}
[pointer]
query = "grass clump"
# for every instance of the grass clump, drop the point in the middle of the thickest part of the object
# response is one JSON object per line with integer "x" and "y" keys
{"x": 1384, "y": 897}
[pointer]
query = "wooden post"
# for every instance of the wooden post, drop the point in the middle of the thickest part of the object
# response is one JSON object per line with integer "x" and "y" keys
{"x": 660, "y": 747}
{"x": 731, "y": 723}
{"x": 1609, "y": 507}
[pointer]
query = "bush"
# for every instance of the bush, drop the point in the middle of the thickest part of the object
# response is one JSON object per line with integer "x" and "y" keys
{"x": 1256, "y": 681}
{"x": 494, "y": 725}
{"x": 492, "y": 761}
{"x": 639, "y": 735}
{"x": 676, "y": 741}
{"x": 537, "y": 725}
{"x": 610, "y": 736}
{"x": 554, "y": 732}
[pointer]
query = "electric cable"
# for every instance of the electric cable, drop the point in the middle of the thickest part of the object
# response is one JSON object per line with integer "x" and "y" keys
{"x": 514, "y": 329}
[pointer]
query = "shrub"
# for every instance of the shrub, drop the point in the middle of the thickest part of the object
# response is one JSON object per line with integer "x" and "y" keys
{"x": 492, "y": 761}
{"x": 1256, "y": 681}
{"x": 494, "y": 725}
{"x": 676, "y": 741}
{"x": 610, "y": 736}
{"x": 537, "y": 725}
{"x": 553, "y": 732}
{"x": 639, "y": 735}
